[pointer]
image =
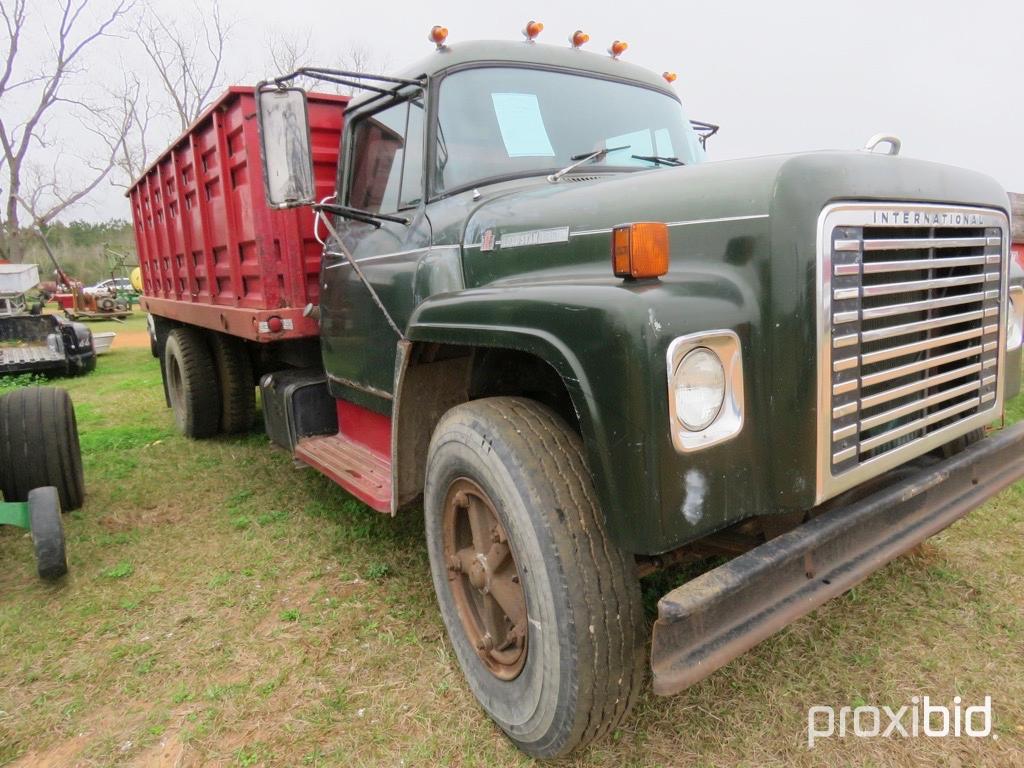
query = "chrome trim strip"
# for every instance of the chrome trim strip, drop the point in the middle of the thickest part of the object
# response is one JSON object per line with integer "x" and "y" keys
{"x": 608, "y": 230}
{"x": 847, "y": 245}
{"x": 918, "y": 346}
{"x": 367, "y": 259}
{"x": 855, "y": 215}
{"x": 844, "y": 410}
{"x": 876, "y": 267}
{"x": 873, "y": 313}
{"x": 919, "y": 405}
{"x": 913, "y": 244}
{"x": 921, "y": 365}
{"x": 922, "y": 285}
{"x": 845, "y": 317}
{"x": 916, "y": 386}
{"x": 914, "y": 426}
{"x": 844, "y": 455}
{"x": 922, "y": 325}
{"x": 847, "y": 270}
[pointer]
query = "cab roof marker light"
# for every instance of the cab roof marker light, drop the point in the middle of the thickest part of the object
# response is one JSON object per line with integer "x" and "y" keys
{"x": 438, "y": 35}
{"x": 617, "y": 48}
{"x": 532, "y": 29}
{"x": 578, "y": 39}
{"x": 670, "y": 77}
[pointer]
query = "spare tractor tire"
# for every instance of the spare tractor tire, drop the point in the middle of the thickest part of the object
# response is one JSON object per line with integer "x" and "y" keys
{"x": 191, "y": 380}
{"x": 39, "y": 445}
{"x": 237, "y": 386}
{"x": 47, "y": 532}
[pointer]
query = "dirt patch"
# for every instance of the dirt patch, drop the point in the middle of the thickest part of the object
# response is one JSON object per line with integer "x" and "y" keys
{"x": 130, "y": 339}
{"x": 58, "y": 756}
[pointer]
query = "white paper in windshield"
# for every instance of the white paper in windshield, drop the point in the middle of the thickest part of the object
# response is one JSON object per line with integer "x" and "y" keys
{"x": 521, "y": 124}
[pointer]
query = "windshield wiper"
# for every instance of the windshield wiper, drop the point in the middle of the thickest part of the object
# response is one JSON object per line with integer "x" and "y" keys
{"x": 357, "y": 214}
{"x": 659, "y": 159}
{"x": 586, "y": 157}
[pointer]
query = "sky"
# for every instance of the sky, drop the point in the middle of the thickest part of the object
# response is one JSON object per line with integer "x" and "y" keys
{"x": 779, "y": 77}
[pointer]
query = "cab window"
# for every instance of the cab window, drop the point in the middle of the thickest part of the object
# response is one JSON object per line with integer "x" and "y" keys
{"x": 387, "y": 159}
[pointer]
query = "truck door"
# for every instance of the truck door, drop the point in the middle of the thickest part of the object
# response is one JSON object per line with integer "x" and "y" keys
{"x": 385, "y": 175}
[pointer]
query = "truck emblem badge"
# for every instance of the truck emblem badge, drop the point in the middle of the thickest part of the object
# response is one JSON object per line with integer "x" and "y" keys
{"x": 487, "y": 242}
{"x": 535, "y": 237}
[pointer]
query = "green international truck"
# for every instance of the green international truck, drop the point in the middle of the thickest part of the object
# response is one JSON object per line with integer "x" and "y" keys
{"x": 541, "y": 316}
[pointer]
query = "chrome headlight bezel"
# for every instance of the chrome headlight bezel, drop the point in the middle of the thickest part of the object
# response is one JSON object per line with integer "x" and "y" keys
{"x": 728, "y": 422}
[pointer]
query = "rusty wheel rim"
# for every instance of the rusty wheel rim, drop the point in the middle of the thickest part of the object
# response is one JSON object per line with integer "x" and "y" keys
{"x": 484, "y": 579}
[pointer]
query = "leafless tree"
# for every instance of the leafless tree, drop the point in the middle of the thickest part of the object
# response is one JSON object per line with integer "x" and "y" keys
{"x": 358, "y": 57}
{"x": 189, "y": 60}
{"x": 124, "y": 125}
{"x": 44, "y": 194}
{"x": 289, "y": 52}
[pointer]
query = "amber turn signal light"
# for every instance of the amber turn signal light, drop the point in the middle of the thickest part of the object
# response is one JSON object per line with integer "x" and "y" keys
{"x": 579, "y": 38}
{"x": 532, "y": 29}
{"x": 617, "y": 48}
{"x": 438, "y": 35}
{"x": 640, "y": 249}
{"x": 670, "y": 77}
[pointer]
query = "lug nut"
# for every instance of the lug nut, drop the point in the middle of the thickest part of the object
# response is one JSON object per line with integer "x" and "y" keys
{"x": 454, "y": 564}
{"x": 485, "y": 643}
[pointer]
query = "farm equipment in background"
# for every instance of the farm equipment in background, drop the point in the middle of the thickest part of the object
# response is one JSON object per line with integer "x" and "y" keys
{"x": 34, "y": 342}
{"x": 78, "y": 303}
{"x": 40, "y": 470}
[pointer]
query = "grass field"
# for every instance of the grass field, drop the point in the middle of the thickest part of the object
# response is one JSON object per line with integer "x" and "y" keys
{"x": 226, "y": 608}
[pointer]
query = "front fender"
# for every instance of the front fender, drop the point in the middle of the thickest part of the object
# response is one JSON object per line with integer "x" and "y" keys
{"x": 607, "y": 341}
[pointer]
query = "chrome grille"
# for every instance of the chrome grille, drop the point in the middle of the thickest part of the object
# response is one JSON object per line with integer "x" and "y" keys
{"x": 910, "y": 333}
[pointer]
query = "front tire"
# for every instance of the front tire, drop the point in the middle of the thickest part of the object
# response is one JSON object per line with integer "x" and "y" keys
{"x": 568, "y": 670}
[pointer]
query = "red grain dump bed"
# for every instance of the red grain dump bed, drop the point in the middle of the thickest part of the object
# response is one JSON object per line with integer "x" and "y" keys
{"x": 212, "y": 253}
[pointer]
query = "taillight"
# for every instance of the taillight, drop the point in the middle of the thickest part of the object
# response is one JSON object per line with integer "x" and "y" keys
{"x": 1017, "y": 249}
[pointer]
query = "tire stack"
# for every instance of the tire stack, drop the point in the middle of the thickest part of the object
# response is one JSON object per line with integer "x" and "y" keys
{"x": 42, "y": 465}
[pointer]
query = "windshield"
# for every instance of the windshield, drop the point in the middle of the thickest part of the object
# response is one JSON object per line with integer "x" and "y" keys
{"x": 499, "y": 122}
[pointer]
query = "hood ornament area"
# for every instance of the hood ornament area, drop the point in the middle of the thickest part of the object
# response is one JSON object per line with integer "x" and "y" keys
{"x": 894, "y": 143}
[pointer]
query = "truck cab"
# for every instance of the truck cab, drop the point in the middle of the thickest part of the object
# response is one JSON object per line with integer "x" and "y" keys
{"x": 589, "y": 352}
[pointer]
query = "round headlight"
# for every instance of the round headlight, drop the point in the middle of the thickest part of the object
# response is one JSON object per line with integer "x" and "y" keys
{"x": 699, "y": 389}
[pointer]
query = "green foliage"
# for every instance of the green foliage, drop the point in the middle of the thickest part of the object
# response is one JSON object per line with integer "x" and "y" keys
{"x": 8, "y": 383}
{"x": 80, "y": 248}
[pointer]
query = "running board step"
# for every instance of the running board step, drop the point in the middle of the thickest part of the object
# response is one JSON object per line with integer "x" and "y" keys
{"x": 359, "y": 470}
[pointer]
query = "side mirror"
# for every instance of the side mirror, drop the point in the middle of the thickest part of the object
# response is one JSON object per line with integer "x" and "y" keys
{"x": 285, "y": 146}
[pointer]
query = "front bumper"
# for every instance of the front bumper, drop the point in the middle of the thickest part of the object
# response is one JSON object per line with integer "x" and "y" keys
{"x": 705, "y": 623}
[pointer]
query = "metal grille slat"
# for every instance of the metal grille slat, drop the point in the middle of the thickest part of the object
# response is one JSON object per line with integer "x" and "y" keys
{"x": 916, "y": 264}
{"x": 901, "y": 244}
{"x": 914, "y": 426}
{"x": 916, "y": 386}
{"x": 876, "y": 313}
{"x": 919, "y": 405}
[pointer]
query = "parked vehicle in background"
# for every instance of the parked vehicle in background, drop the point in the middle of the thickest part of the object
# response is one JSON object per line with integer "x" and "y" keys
{"x": 113, "y": 285}
{"x": 588, "y": 351}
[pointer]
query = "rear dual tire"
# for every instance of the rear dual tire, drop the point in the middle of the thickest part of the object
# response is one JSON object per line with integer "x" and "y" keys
{"x": 515, "y": 465}
{"x": 209, "y": 383}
